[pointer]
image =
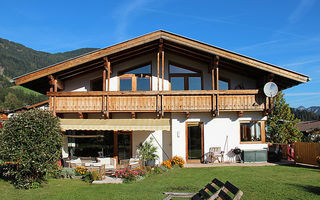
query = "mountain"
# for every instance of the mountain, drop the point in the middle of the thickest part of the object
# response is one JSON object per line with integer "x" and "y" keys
{"x": 315, "y": 109}
{"x": 17, "y": 59}
{"x": 307, "y": 114}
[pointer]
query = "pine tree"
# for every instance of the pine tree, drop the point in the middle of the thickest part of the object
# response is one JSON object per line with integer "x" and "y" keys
{"x": 281, "y": 123}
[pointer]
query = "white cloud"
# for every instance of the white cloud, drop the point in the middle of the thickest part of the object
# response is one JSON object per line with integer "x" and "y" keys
{"x": 303, "y": 7}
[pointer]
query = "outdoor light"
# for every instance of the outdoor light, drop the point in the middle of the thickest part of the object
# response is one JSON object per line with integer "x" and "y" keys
{"x": 178, "y": 134}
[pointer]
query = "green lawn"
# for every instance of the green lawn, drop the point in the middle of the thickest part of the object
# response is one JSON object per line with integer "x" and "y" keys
{"x": 272, "y": 182}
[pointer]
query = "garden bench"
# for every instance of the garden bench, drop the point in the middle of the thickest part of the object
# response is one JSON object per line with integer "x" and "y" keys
{"x": 214, "y": 187}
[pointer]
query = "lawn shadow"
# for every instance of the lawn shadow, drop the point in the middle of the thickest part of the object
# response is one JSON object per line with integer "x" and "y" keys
{"x": 298, "y": 165}
{"x": 308, "y": 188}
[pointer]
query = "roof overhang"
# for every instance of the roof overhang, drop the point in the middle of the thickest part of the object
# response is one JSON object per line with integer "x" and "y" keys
{"x": 41, "y": 74}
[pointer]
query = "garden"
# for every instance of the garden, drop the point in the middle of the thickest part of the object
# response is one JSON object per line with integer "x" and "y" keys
{"x": 269, "y": 182}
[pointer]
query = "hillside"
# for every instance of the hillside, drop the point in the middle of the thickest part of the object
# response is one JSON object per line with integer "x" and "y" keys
{"x": 15, "y": 60}
{"x": 305, "y": 114}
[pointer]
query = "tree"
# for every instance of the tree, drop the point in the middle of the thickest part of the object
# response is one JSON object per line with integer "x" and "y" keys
{"x": 11, "y": 101}
{"x": 31, "y": 143}
{"x": 281, "y": 123}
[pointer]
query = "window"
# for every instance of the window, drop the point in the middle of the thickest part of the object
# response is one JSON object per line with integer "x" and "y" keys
{"x": 90, "y": 143}
{"x": 252, "y": 131}
{"x": 96, "y": 84}
{"x": 224, "y": 84}
{"x": 183, "y": 78}
{"x": 137, "y": 79}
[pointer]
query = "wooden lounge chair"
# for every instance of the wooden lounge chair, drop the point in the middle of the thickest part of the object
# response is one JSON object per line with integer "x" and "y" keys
{"x": 224, "y": 193}
{"x": 210, "y": 189}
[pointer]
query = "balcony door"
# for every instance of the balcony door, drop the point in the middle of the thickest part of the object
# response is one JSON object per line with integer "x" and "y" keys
{"x": 194, "y": 141}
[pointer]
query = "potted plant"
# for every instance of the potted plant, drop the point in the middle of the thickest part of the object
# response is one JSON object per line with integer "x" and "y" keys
{"x": 147, "y": 151}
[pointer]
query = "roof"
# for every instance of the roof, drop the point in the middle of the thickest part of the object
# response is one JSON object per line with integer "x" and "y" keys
{"x": 166, "y": 36}
{"x": 37, "y": 105}
{"x": 308, "y": 126}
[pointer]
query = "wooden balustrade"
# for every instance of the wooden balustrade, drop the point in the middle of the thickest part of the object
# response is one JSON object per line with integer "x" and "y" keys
{"x": 155, "y": 101}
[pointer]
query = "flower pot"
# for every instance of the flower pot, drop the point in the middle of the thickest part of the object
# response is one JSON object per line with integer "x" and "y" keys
{"x": 150, "y": 163}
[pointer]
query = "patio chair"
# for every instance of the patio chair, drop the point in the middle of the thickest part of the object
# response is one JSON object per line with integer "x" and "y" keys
{"x": 134, "y": 163}
{"x": 215, "y": 153}
{"x": 212, "y": 188}
{"x": 225, "y": 191}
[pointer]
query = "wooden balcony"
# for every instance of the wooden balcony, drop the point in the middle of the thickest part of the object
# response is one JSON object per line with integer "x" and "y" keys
{"x": 158, "y": 101}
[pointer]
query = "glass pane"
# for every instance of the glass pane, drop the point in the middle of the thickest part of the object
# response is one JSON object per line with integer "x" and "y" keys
{"x": 250, "y": 131}
{"x": 194, "y": 83}
{"x": 96, "y": 85}
{"x": 179, "y": 70}
{"x": 177, "y": 83}
{"x": 194, "y": 142}
{"x": 223, "y": 85}
{"x": 143, "y": 84}
{"x": 92, "y": 146}
{"x": 125, "y": 84}
{"x": 141, "y": 70}
{"x": 124, "y": 146}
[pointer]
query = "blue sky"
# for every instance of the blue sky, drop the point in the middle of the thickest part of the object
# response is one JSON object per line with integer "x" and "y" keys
{"x": 284, "y": 33}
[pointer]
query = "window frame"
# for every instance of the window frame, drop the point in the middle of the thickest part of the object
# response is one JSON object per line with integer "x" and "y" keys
{"x": 186, "y": 76}
{"x": 121, "y": 74}
{"x": 225, "y": 80}
{"x": 262, "y": 131}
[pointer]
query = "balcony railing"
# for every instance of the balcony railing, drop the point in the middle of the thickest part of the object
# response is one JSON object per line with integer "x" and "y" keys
{"x": 158, "y": 101}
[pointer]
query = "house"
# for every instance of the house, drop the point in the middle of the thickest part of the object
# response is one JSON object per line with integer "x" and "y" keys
{"x": 43, "y": 105}
{"x": 187, "y": 95}
{"x": 310, "y": 130}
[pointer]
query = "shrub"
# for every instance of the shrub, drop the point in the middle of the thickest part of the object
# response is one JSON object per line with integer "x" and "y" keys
{"x": 172, "y": 162}
{"x": 80, "y": 171}
{"x": 177, "y": 161}
{"x": 318, "y": 159}
{"x": 33, "y": 139}
{"x": 129, "y": 175}
{"x": 67, "y": 173}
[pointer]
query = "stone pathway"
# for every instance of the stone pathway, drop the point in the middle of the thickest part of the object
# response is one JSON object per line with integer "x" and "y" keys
{"x": 108, "y": 179}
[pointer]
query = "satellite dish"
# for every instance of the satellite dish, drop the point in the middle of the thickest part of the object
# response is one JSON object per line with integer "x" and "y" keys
{"x": 270, "y": 89}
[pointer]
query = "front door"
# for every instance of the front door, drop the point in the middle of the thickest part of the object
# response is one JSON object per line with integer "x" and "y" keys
{"x": 194, "y": 135}
{"x": 123, "y": 146}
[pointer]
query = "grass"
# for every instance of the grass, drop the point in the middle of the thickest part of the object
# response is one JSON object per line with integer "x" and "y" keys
{"x": 270, "y": 182}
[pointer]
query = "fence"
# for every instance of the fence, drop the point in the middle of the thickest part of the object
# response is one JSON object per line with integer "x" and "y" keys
{"x": 306, "y": 152}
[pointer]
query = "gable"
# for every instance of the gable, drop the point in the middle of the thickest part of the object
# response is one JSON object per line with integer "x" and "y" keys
{"x": 149, "y": 43}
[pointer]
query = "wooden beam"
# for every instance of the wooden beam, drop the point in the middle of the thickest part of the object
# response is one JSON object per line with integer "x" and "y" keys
{"x": 216, "y": 66}
{"x": 158, "y": 69}
{"x": 162, "y": 69}
{"x": 187, "y": 115}
{"x": 133, "y": 115}
{"x": 56, "y": 82}
{"x": 104, "y": 80}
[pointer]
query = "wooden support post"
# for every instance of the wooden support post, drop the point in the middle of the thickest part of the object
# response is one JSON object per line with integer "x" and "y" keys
{"x": 104, "y": 80}
{"x": 162, "y": 66}
{"x": 216, "y": 66}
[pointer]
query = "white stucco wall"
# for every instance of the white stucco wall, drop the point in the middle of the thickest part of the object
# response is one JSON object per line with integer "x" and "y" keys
{"x": 222, "y": 131}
